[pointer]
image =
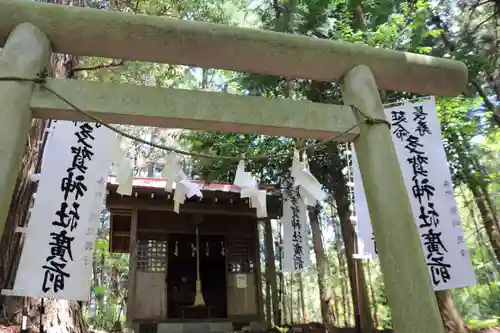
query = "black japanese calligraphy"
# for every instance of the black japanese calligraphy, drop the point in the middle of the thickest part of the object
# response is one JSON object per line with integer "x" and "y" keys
{"x": 54, "y": 276}
{"x": 422, "y": 188}
{"x": 85, "y": 134}
{"x": 81, "y": 155}
{"x": 418, "y": 163}
{"x": 420, "y": 117}
{"x": 398, "y": 118}
{"x": 67, "y": 219}
{"x": 423, "y": 191}
{"x": 73, "y": 188}
{"x": 297, "y": 235}
{"x": 73, "y": 185}
{"x": 433, "y": 243}
{"x": 60, "y": 246}
{"x": 439, "y": 270}
{"x": 413, "y": 145}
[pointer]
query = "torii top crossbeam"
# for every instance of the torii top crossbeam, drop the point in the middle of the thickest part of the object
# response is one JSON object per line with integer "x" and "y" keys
{"x": 91, "y": 32}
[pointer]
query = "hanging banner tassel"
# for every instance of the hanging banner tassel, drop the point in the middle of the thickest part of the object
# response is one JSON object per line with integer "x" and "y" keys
{"x": 250, "y": 189}
{"x": 310, "y": 188}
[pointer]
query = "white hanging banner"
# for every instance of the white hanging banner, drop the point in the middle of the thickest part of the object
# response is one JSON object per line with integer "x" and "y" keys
{"x": 56, "y": 261}
{"x": 416, "y": 134}
{"x": 366, "y": 241}
{"x": 295, "y": 233}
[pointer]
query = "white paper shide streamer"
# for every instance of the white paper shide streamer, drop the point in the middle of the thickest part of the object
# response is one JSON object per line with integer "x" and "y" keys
{"x": 56, "y": 260}
{"x": 416, "y": 135}
{"x": 177, "y": 178}
{"x": 310, "y": 188}
{"x": 124, "y": 168}
{"x": 250, "y": 189}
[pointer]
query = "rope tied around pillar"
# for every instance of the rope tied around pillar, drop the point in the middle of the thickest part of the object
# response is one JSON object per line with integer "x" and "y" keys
{"x": 370, "y": 120}
{"x": 41, "y": 79}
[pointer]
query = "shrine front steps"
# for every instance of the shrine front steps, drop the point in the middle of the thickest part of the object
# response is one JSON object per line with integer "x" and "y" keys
{"x": 200, "y": 327}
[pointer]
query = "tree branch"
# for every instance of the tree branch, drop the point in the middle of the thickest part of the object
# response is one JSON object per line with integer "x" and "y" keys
{"x": 478, "y": 26}
{"x": 487, "y": 102}
{"x": 450, "y": 45}
{"x": 112, "y": 64}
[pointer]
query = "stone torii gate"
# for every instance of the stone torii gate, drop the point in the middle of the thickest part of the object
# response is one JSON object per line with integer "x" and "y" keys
{"x": 31, "y": 31}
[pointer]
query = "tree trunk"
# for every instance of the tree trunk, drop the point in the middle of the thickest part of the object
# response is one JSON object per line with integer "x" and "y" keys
{"x": 11, "y": 242}
{"x": 302, "y": 299}
{"x": 60, "y": 316}
{"x": 451, "y": 318}
{"x": 325, "y": 294}
{"x": 341, "y": 270}
{"x": 281, "y": 297}
{"x": 336, "y": 313}
{"x": 489, "y": 221}
{"x": 355, "y": 269}
{"x": 372, "y": 296}
{"x": 289, "y": 291}
{"x": 271, "y": 272}
{"x": 269, "y": 311}
{"x": 483, "y": 244}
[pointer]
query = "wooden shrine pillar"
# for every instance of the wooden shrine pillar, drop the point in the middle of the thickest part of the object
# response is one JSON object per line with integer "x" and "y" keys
{"x": 406, "y": 277}
{"x": 26, "y": 52}
{"x": 258, "y": 274}
{"x": 271, "y": 274}
{"x": 132, "y": 271}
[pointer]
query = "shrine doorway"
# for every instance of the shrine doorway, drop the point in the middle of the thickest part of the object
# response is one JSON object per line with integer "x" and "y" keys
{"x": 181, "y": 277}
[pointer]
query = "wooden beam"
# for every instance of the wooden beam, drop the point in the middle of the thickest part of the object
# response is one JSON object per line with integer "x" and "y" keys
{"x": 406, "y": 276}
{"x": 188, "y": 207}
{"x": 160, "y": 39}
{"x": 176, "y": 108}
{"x": 26, "y": 52}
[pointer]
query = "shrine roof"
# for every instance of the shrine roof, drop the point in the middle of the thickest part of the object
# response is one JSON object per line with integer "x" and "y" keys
{"x": 223, "y": 198}
{"x": 154, "y": 184}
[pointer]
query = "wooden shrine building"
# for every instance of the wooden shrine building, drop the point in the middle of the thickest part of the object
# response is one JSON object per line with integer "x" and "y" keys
{"x": 163, "y": 265}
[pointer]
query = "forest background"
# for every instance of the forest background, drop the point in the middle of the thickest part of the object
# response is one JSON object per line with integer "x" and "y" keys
{"x": 335, "y": 285}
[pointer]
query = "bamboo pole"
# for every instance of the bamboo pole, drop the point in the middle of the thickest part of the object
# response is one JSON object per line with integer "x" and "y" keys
{"x": 25, "y": 53}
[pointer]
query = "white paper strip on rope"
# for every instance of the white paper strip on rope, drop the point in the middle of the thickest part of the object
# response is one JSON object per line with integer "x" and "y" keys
{"x": 250, "y": 189}
{"x": 296, "y": 254}
{"x": 184, "y": 188}
{"x": 416, "y": 134}
{"x": 56, "y": 260}
{"x": 310, "y": 188}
